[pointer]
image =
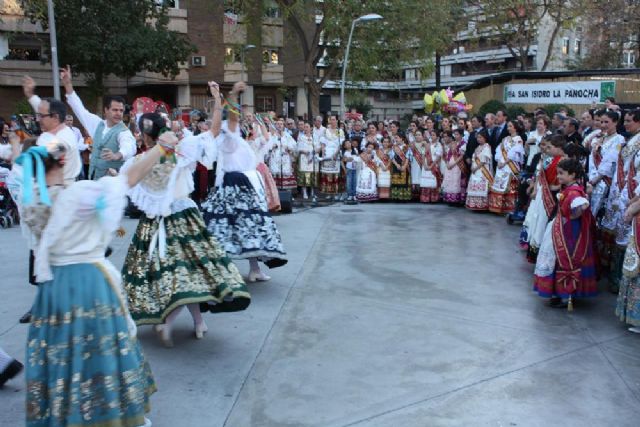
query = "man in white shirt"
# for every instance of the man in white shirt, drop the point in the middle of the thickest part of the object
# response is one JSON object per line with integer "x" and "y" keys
{"x": 79, "y": 140}
{"x": 113, "y": 142}
{"x": 50, "y": 114}
{"x": 318, "y": 129}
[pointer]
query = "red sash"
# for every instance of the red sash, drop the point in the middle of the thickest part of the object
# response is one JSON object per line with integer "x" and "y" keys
{"x": 597, "y": 159}
{"x": 400, "y": 153}
{"x": 547, "y": 196}
{"x": 384, "y": 157}
{"x": 568, "y": 273}
{"x": 631, "y": 182}
{"x": 620, "y": 172}
{"x": 512, "y": 165}
{"x": 636, "y": 231}
{"x": 367, "y": 160}
{"x": 483, "y": 168}
{"x": 418, "y": 156}
{"x": 435, "y": 170}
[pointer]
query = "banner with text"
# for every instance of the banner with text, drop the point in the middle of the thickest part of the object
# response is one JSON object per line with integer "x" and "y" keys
{"x": 559, "y": 93}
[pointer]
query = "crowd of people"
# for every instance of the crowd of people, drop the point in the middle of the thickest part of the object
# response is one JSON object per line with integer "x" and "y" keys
{"x": 204, "y": 192}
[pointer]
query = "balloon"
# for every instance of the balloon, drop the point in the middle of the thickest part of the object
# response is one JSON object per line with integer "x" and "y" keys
{"x": 460, "y": 98}
{"x": 444, "y": 99}
{"x": 428, "y": 103}
{"x": 449, "y": 93}
{"x": 147, "y": 104}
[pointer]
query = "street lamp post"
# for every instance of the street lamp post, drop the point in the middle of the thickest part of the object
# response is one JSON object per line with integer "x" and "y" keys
{"x": 363, "y": 18}
{"x": 54, "y": 51}
{"x": 244, "y": 49}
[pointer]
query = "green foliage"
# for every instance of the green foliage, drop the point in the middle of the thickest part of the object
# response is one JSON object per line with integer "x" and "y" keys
{"x": 359, "y": 101}
{"x": 97, "y": 38}
{"x": 492, "y": 107}
{"x": 22, "y": 107}
{"x": 514, "y": 110}
{"x": 551, "y": 109}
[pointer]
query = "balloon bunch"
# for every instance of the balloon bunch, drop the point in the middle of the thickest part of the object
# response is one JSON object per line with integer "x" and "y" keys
{"x": 445, "y": 101}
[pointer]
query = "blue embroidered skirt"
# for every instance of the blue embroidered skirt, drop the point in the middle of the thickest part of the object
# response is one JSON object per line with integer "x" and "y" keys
{"x": 82, "y": 366}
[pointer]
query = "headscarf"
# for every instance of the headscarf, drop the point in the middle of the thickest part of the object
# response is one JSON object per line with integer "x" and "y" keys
{"x": 36, "y": 155}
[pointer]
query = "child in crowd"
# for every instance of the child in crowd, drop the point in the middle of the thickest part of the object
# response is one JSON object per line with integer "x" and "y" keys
{"x": 367, "y": 188}
{"x": 350, "y": 161}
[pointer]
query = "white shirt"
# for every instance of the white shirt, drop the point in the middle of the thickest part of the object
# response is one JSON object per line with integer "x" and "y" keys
{"x": 73, "y": 163}
{"x": 90, "y": 121}
{"x": 318, "y": 133}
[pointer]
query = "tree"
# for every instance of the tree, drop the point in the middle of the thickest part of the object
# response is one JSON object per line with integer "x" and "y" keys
{"x": 516, "y": 24}
{"x": 409, "y": 34}
{"x": 98, "y": 39}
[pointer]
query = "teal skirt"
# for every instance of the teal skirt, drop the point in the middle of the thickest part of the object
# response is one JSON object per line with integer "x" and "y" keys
{"x": 82, "y": 366}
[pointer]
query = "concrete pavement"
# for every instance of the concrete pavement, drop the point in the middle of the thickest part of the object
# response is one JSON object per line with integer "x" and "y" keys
{"x": 386, "y": 315}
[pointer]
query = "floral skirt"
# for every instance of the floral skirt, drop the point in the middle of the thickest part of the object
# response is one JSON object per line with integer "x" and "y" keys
{"x": 329, "y": 183}
{"x": 237, "y": 217}
{"x": 194, "y": 270}
{"x": 270, "y": 188}
{"x": 287, "y": 182}
{"x": 308, "y": 179}
{"x": 477, "y": 203}
{"x": 400, "y": 185}
{"x": 502, "y": 203}
{"x": 429, "y": 195}
{"x": 83, "y": 368}
{"x": 628, "y": 303}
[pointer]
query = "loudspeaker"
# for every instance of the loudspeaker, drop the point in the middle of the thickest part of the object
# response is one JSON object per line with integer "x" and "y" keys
{"x": 286, "y": 202}
{"x": 325, "y": 103}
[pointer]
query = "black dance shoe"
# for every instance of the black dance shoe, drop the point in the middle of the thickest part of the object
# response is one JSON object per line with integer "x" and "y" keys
{"x": 10, "y": 371}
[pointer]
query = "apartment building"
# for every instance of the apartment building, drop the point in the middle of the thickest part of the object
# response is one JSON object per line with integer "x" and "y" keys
{"x": 254, "y": 44}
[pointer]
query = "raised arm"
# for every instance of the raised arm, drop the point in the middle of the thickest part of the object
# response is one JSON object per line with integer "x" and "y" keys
{"x": 166, "y": 144}
{"x": 88, "y": 120}
{"x": 214, "y": 89}
{"x": 234, "y": 119}
{"x": 29, "y": 88}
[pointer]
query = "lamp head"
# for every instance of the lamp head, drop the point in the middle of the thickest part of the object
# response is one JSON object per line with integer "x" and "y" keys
{"x": 369, "y": 17}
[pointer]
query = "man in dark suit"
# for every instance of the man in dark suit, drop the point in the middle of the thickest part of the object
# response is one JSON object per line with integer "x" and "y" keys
{"x": 501, "y": 131}
{"x": 571, "y": 126}
{"x": 477, "y": 122}
{"x": 586, "y": 123}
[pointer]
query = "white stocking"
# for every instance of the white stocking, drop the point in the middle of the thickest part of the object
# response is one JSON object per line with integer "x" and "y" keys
{"x": 253, "y": 264}
{"x": 194, "y": 309}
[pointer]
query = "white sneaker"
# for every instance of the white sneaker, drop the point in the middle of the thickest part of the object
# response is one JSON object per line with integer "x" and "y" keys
{"x": 634, "y": 329}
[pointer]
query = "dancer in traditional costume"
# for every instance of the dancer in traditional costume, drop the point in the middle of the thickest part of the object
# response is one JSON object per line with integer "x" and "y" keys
{"x": 259, "y": 139}
{"x": 602, "y": 167}
{"x": 417, "y": 148}
{"x": 308, "y": 166}
{"x": 384, "y": 154}
{"x": 544, "y": 197}
{"x": 565, "y": 268}
{"x": 454, "y": 183}
{"x": 173, "y": 261}
{"x": 430, "y": 175}
{"x": 330, "y": 144}
{"x": 509, "y": 158}
{"x": 282, "y": 152}
{"x": 367, "y": 189}
{"x": 236, "y": 213}
{"x": 400, "y": 173}
{"x": 481, "y": 176}
{"x": 83, "y": 365}
{"x": 622, "y": 190}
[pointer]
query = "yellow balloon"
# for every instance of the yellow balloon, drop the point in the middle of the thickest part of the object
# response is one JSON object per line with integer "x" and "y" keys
{"x": 444, "y": 99}
{"x": 460, "y": 98}
{"x": 428, "y": 103}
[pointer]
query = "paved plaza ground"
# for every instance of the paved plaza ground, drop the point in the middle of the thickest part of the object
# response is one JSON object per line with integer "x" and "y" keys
{"x": 386, "y": 315}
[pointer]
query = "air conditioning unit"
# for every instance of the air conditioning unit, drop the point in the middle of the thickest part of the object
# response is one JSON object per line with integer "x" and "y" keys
{"x": 198, "y": 61}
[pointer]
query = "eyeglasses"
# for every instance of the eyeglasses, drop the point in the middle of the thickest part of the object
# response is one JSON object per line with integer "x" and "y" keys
{"x": 39, "y": 115}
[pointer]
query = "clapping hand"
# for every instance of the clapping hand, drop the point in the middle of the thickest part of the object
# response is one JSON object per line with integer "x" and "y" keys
{"x": 214, "y": 89}
{"x": 168, "y": 139}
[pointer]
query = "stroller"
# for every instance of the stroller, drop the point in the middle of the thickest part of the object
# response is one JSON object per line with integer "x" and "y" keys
{"x": 8, "y": 208}
{"x": 522, "y": 202}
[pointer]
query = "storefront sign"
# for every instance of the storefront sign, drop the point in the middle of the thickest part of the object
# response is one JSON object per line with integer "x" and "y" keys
{"x": 559, "y": 93}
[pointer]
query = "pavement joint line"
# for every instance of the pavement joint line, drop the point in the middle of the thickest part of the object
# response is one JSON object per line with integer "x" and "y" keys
{"x": 473, "y": 384}
{"x": 275, "y": 320}
{"x": 633, "y": 392}
{"x": 6, "y": 331}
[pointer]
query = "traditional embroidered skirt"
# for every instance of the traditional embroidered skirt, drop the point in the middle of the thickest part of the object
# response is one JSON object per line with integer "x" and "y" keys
{"x": 545, "y": 282}
{"x": 367, "y": 188}
{"x": 502, "y": 203}
{"x": 287, "y": 182}
{"x": 628, "y": 303}
{"x": 236, "y": 214}
{"x": 429, "y": 195}
{"x": 270, "y": 188}
{"x": 477, "y": 191}
{"x": 194, "y": 270}
{"x": 83, "y": 368}
{"x": 308, "y": 179}
{"x": 400, "y": 185}
{"x": 384, "y": 184}
{"x": 329, "y": 182}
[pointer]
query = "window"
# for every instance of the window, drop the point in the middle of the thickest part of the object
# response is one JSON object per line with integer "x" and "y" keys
{"x": 233, "y": 7}
{"x": 272, "y": 10}
{"x": 577, "y": 46}
{"x": 271, "y": 56}
{"x": 411, "y": 74}
{"x": 628, "y": 58}
{"x": 232, "y": 54}
{"x": 24, "y": 48}
{"x": 565, "y": 46}
{"x": 265, "y": 103}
